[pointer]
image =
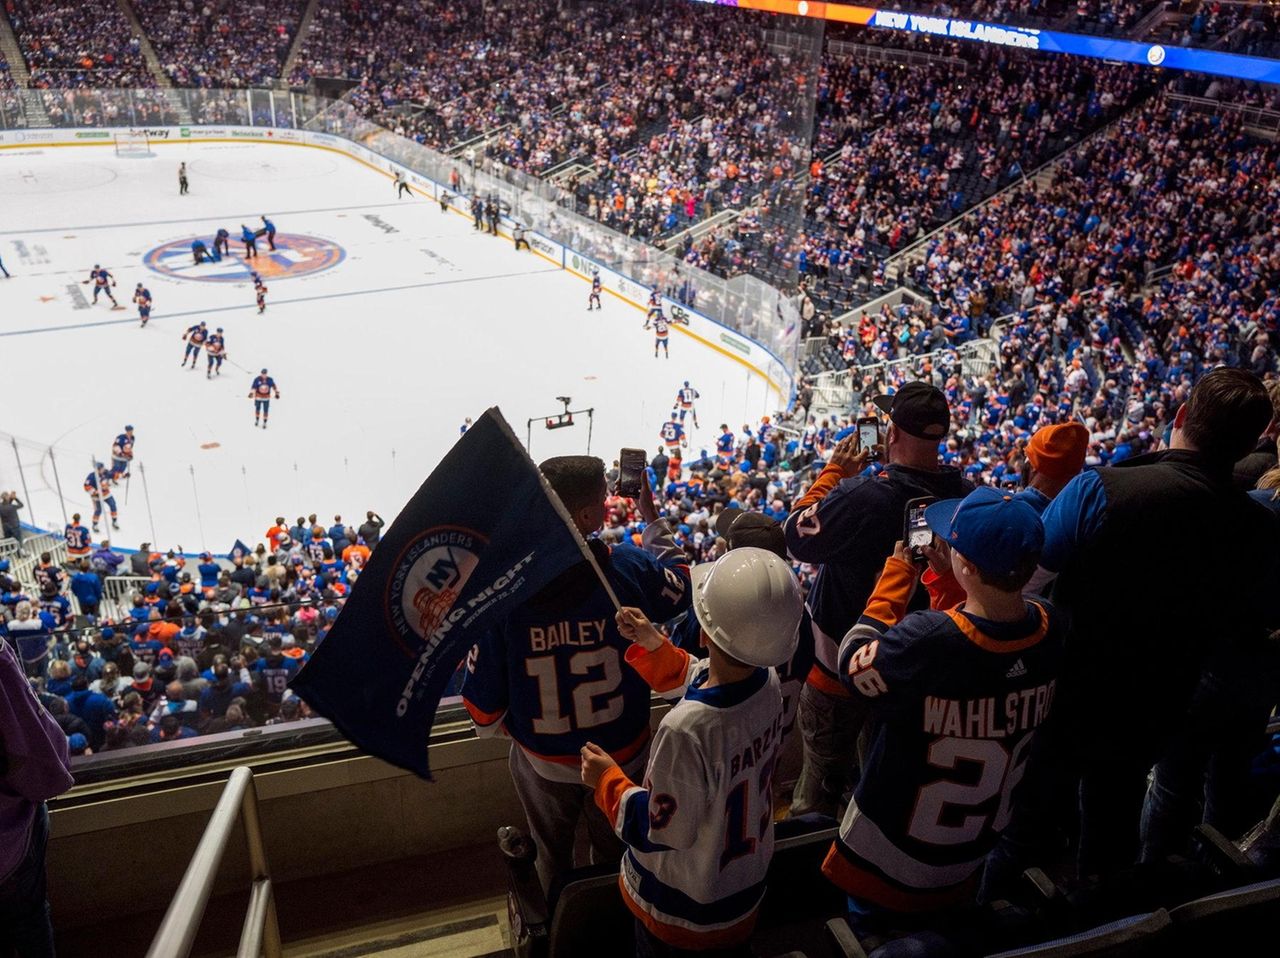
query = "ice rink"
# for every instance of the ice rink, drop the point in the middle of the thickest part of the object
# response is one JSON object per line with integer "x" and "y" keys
{"x": 388, "y": 323}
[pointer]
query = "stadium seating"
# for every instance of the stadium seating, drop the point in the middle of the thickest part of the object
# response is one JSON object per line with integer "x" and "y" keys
{"x": 586, "y": 909}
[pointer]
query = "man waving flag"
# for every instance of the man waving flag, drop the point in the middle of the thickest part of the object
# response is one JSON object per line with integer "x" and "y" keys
{"x": 483, "y": 533}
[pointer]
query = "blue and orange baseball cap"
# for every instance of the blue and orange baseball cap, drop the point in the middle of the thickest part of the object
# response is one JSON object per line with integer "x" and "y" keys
{"x": 995, "y": 531}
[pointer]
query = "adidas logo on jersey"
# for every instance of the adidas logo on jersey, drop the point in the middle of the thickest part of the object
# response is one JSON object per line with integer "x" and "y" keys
{"x": 1017, "y": 671}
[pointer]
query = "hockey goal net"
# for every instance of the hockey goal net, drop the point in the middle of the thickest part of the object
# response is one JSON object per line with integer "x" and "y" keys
{"x": 133, "y": 144}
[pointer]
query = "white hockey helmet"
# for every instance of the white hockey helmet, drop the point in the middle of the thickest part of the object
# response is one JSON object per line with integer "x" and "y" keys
{"x": 748, "y": 603}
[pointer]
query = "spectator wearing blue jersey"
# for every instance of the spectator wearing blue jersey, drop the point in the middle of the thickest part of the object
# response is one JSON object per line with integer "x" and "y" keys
{"x": 938, "y": 682}
{"x": 552, "y": 675}
{"x": 847, "y": 523}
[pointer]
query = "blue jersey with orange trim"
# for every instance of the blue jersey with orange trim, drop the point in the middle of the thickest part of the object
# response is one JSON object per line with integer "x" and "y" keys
{"x": 77, "y": 537}
{"x": 100, "y": 277}
{"x": 553, "y": 675}
{"x": 122, "y": 448}
{"x": 275, "y": 676}
{"x": 216, "y": 344}
{"x": 672, "y": 433}
{"x": 595, "y": 283}
{"x": 143, "y": 298}
{"x": 955, "y": 701}
{"x": 655, "y": 299}
{"x": 660, "y": 324}
{"x": 685, "y": 397}
{"x": 724, "y": 444}
{"x": 97, "y": 484}
{"x": 262, "y": 387}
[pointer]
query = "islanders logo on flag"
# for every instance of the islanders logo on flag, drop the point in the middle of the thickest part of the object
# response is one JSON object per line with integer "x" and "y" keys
{"x": 295, "y": 256}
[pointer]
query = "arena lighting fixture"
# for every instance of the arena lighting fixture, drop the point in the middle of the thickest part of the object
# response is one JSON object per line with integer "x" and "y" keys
{"x": 1257, "y": 69}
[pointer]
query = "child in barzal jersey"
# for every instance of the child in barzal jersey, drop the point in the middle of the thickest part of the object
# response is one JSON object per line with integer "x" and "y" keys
{"x": 699, "y": 829}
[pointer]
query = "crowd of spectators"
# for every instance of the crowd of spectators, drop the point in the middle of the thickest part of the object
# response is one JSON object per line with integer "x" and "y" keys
{"x": 917, "y": 145}
{"x": 203, "y": 646}
{"x": 218, "y": 43}
{"x": 68, "y": 44}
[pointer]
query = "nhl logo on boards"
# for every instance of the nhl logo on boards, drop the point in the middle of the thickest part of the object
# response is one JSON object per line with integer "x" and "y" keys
{"x": 429, "y": 577}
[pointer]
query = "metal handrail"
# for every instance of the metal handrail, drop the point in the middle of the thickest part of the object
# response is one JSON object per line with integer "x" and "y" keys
{"x": 260, "y": 934}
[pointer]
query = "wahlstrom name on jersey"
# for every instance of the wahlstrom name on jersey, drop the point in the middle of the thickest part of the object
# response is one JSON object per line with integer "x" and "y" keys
{"x": 1022, "y": 710}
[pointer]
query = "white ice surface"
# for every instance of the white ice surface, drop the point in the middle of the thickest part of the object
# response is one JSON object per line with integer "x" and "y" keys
{"x": 378, "y": 359}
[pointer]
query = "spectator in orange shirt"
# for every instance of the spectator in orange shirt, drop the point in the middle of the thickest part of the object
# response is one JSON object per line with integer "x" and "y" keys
{"x": 356, "y": 548}
{"x": 275, "y": 532}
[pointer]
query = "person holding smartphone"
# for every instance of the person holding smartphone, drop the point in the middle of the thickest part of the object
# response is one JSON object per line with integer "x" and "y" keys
{"x": 847, "y": 524}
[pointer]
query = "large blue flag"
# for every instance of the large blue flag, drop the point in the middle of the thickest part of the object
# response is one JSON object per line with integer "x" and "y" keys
{"x": 483, "y": 534}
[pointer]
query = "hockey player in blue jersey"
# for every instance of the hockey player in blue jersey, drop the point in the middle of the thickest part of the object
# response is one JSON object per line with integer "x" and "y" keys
{"x": 102, "y": 282}
{"x": 685, "y": 397}
{"x": 215, "y": 351}
{"x": 660, "y": 330}
{"x": 98, "y": 485}
{"x": 194, "y": 337}
{"x": 672, "y": 433}
{"x": 261, "y": 392}
{"x": 121, "y": 454}
{"x": 724, "y": 446}
{"x": 250, "y": 239}
{"x": 552, "y": 675}
{"x": 77, "y": 536}
{"x": 142, "y": 296}
{"x": 270, "y": 227}
{"x": 699, "y": 824}
{"x": 594, "y": 297}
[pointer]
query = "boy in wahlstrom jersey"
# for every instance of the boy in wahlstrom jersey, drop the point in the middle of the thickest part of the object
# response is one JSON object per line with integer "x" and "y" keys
{"x": 700, "y": 830}
{"x": 552, "y": 676}
{"x": 955, "y": 698}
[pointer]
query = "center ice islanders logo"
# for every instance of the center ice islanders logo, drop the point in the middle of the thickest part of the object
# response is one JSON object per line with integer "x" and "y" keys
{"x": 429, "y": 577}
{"x": 294, "y": 256}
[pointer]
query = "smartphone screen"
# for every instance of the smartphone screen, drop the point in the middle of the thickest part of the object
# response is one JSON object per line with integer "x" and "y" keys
{"x": 631, "y": 463}
{"x": 869, "y": 435}
{"x": 918, "y": 531}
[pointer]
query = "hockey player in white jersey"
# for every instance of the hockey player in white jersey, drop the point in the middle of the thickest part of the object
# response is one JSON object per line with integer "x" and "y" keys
{"x": 699, "y": 830}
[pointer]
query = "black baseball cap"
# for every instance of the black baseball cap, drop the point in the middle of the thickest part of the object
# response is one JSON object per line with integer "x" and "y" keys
{"x": 918, "y": 409}
{"x": 740, "y": 528}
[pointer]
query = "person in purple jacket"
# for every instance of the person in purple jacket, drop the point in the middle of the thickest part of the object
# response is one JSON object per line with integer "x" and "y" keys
{"x": 34, "y": 767}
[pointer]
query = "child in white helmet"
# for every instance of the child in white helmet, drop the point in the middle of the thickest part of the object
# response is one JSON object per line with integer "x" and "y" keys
{"x": 700, "y": 830}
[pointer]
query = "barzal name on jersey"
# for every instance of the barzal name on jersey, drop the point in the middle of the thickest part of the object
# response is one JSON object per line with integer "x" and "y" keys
{"x": 955, "y": 701}
{"x": 551, "y": 677}
{"x": 699, "y": 830}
